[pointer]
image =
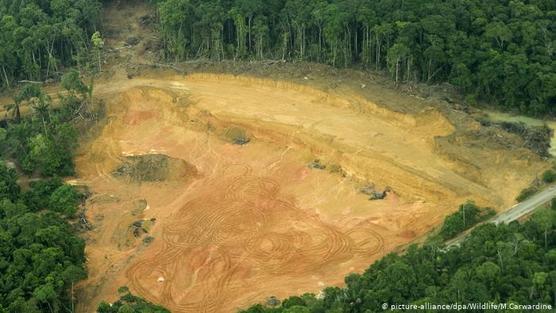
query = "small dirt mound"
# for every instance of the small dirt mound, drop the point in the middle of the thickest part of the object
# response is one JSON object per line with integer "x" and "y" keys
{"x": 126, "y": 236}
{"x": 374, "y": 194}
{"x": 140, "y": 227}
{"x": 140, "y": 206}
{"x": 154, "y": 168}
{"x": 236, "y": 135}
{"x": 316, "y": 164}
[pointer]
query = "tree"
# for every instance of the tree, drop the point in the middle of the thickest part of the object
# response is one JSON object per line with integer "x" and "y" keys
{"x": 98, "y": 44}
{"x": 260, "y": 29}
{"x": 488, "y": 273}
{"x": 73, "y": 83}
{"x": 545, "y": 219}
{"x": 43, "y": 155}
{"x": 539, "y": 280}
{"x": 9, "y": 188}
{"x": 498, "y": 32}
{"x": 77, "y": 95}
{"x": 28, "y": 92}
{"x": 396, "y": 55}
{"x": 94, "y": 67}
{"x": 64, "y": 200}
{"x": 549, "y": 176}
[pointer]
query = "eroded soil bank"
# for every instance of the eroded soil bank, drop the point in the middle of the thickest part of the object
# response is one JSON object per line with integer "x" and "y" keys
{"x": 239, "y": 220}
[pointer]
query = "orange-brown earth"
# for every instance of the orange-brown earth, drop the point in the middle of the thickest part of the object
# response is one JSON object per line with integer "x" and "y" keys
{"x": 254, "y": 220}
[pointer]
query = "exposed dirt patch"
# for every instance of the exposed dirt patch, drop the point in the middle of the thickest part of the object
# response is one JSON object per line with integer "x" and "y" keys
{"x": 257, "y": 220}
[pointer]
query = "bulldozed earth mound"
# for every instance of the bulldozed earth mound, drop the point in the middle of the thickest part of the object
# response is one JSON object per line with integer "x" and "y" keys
{"x": 251, "y": 188}
{"x": 153, "y": 168}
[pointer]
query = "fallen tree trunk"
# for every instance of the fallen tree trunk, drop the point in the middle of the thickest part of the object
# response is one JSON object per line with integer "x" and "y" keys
{"x": 30, "y": 82}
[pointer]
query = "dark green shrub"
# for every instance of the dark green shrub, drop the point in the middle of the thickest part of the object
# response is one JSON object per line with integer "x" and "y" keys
{"x": 526, "y": 193}
{"x": 129, "y": 303}
{"x": 64, "y": 200}
{"x": 38, "y": 197}
{"x": 8, "y": 182}
{"x": 549, "y": 176}
{"x": 466, "y": 217}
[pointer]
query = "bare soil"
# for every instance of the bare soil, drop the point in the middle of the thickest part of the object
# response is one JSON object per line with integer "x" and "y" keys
{"x": 256, "y": 219}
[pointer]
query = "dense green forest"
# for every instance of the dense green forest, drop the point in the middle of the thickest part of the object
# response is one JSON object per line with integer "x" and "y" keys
{"x": 44, "y": 142}
{"x": 501, "y": 264}
{"x": 39, "y": 37}
{"x": 498, "y": 51}
{"x": 41, "y": 257}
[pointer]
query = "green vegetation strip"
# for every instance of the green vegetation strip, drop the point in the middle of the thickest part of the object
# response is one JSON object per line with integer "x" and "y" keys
{"x": 467, "y": 216}
{"x": 129, "y": 303}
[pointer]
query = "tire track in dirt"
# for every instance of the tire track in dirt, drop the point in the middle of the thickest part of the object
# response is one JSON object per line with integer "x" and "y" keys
{"x": 219, "y": 239}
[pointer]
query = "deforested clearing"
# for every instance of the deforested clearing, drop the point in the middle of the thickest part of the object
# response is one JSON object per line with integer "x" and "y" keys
{"x": 247, "y": 214}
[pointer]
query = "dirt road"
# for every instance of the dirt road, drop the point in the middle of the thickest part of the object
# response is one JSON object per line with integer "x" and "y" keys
{"x": 514, "y": 213}
{"x": 525, "y": 207}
